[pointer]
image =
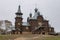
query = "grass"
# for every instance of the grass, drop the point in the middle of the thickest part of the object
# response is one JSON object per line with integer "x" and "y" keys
{"x": 53, "y": 38}
{"x": 8, "y": 37}
{"x": 49, "y": 38}
{"x": 30, "y": 37}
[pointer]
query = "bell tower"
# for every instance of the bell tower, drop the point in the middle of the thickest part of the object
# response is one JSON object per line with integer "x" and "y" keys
{"x": 18, "y": 21}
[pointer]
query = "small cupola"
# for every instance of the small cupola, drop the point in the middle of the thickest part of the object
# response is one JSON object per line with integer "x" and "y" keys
{"x": 38, "y": 13}
{"x": 36, "y": 9}
{"x": 30, "y": 15}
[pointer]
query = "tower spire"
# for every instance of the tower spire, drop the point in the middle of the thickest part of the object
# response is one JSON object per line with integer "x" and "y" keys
{"x": 19, "y": 10}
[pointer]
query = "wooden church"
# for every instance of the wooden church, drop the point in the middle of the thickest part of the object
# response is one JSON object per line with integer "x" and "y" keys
{"x": 35, "y": 24}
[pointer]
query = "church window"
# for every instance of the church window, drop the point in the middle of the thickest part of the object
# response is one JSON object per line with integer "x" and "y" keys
{"x": 26, "y": 27}
{"x": 18, "y": 23}
{"x": 40, "y": 24}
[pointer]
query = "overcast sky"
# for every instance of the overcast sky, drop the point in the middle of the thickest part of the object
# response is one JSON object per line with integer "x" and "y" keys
{"x": 50, "y": 9}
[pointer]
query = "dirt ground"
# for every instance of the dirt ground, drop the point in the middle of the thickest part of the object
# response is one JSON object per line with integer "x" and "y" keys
{"x": 31, "y": 38}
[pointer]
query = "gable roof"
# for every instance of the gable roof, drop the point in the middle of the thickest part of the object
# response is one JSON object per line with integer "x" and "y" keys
{"x": 25, "y": 24}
